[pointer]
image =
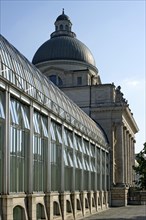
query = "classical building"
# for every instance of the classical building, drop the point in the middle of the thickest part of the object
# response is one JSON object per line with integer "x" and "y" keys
{"x": 71, "y": 66}
{"x": 61, "y": 160}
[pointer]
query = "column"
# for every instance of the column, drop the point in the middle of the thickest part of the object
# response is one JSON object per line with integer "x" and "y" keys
{"x": 74, "y": 168}
{"x": 30, "y": 154}
{"x": 130, "y": 162}
{"x": 62, "y": 161}
{"x": 133, "y": 172}
{"x": 119, "y": 155}
{"x": 95, "y": 189}
{"x": 105, "y": 174}
{"x": 48, "y": 162}
{"x": 128, "y": 157}
{"x": 100, "y": 185}
{"x": 125, "y": 155}
{"x": 6, "y": 156}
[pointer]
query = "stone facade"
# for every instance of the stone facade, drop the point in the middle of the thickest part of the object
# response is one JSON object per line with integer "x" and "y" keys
{"x": 53, "y": 205}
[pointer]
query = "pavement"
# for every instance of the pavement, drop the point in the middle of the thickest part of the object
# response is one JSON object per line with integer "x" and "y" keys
{"x": 134, "y": 212}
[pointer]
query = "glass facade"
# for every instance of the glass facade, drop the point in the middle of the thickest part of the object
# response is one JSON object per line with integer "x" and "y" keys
{"x": 19, "y": 143}
{"x": 68, "y": 160}
{"x": 49, "y": 136}
{"x": 56, "y": 155}
{"x": 2, "y": 120}
{"x": 40, "y": 145}
{"x": 16, "y": 69}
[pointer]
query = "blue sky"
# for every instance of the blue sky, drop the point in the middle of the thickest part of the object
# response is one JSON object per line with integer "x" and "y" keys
{"x": 113, "y": 30}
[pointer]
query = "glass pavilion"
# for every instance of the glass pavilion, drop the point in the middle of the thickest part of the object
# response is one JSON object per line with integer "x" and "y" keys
{"x": 47, "y": 143}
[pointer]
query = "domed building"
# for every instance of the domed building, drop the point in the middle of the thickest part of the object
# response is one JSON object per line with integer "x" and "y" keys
{"x": 65, "y": 59}
{"x": 71, "y": 66}
{"x": 66, "y": 150}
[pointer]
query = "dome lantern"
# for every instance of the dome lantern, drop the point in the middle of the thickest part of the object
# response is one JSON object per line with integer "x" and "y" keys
{"x": 63, "y": 26}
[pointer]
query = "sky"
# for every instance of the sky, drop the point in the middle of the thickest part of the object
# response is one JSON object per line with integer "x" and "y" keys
{"x": 113, "y": 30}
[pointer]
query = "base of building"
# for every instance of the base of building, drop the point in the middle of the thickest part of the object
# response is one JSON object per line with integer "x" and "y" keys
{"x": 53, "y": 205}
{"x": 119, "y": 195}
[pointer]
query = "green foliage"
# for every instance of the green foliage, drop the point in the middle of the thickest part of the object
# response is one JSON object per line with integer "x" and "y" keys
{"x": 141, "y": 168}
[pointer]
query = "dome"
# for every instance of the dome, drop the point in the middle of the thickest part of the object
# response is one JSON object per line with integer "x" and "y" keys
{"x": 63, "y": 17}
{"x": 63, "y": 48}
{"x": 63, "y": 45}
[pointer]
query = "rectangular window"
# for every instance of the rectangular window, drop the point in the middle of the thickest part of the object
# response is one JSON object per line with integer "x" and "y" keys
{"x": 44, "y": 127}
{"x": 25, "y": 118}
{"x": 19, "y": 143}
{"x": 79, "y": 80}
{"x": 53, "y": 136}
{"x": 14, "y": 113}
{"x": 59, "y": 135}
{"x": 40, "y": 145}
{"x": 1, "y": 157}
{"x": 2, "y": 114}
{"x": 65, "y": 158}
{"x": 36, "y": 123}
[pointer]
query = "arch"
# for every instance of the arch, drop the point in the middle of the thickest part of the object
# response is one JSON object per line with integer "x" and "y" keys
{"x": 68, "y": 206}
{"x": 18, "y": 213}
{"x": 66, "y": 27}
{"x": 61, "y": 27}
{"x": 86, "y": 203}
{"x": 99, "y": 201}
{"x": 40, "y": 213}
{"x": 93, "y": 202}
{"x": 56, "y": 210}
{"x": 78, "y": 205}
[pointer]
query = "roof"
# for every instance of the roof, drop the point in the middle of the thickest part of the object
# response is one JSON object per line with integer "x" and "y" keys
{"x": 63, "y": 45}
{"x": 63, "y": 17}
{"x": 64, "y": 48}
{"x": 29, "y": 80}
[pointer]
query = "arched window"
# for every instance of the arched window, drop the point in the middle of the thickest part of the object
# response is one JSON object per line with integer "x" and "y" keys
{"x": 40, "y": 211}
{"x": 56, "y": 210}
{"x": 18, "y": 213}
{"x": 61, "y": 27}
{"x": 66, "y": 27}
{"x": 56, "y": 80}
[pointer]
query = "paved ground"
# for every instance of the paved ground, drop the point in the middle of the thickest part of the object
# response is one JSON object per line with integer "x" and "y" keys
{"x": 134, "y": 212}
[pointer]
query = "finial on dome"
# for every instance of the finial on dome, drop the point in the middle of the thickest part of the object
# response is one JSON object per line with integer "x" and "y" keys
{"x": 63, "y": 11}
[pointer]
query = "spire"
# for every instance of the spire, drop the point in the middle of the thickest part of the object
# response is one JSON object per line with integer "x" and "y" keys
{"x": 63, "y": 11}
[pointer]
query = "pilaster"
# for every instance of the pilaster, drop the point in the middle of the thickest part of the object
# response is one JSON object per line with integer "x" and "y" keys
{"x": 119, "y": 156}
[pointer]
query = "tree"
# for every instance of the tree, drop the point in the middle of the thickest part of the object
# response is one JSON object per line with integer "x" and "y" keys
{"x": 140, "y": 169}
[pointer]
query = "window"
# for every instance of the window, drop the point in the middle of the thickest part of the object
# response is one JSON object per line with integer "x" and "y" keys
{"x": 40, "y": 144}
{"x": 61, "y": 27}
{"x": 1, "y": 148}
{"x": 68, "y": 170}
{"x": 2, "y": 114}
{"x": 66, "y": 27}
{"x": 79, "y": 80}
{"x": 19, "y": 142}
{"x": 56, "y": 80}
{"x": 56, "y": 148}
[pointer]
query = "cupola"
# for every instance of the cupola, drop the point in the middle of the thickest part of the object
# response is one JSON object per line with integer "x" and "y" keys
{"x": 63, "y": 26}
